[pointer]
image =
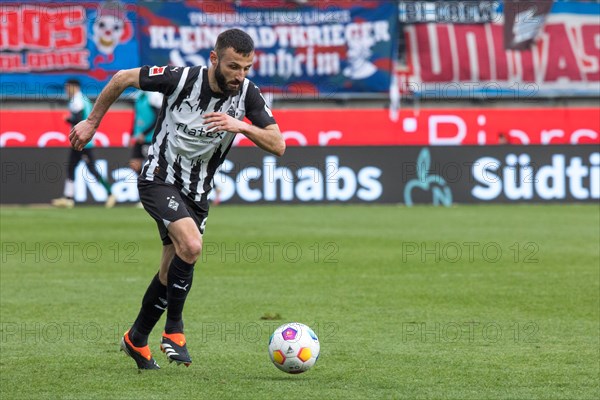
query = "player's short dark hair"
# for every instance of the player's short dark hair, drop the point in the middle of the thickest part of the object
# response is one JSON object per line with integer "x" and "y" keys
{"x": 237, "y": 39}
{"x": 74, "y": 82}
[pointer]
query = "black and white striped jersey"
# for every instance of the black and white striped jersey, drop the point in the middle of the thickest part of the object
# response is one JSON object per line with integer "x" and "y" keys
{"x": 183, "y": 152}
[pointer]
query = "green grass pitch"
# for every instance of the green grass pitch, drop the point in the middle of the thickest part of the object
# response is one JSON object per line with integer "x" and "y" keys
{"x": 468, "y": 302}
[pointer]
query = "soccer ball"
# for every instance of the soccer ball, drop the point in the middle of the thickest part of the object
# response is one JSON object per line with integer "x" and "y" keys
{"x": 294, "y": 348}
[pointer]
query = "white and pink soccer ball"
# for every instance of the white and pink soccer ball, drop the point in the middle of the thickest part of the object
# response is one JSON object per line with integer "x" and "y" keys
{"x": 294, "y": 348}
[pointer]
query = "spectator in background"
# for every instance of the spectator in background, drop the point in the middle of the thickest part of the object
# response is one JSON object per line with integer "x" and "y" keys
{"x": 146, "y": 109}
{"x": 79, "y": 109}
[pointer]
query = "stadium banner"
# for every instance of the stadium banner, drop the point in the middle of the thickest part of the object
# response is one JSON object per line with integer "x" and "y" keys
{"x": 436, "y": 175}
{"x": 44, "y": 43}
{"x": 347, "y": 127}
{"x": 49, "y": 128}
{"x": 490, "y": 60}
{"x": 319, "y": 49}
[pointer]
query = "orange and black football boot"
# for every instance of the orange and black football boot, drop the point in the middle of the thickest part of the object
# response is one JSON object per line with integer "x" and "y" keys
{"x": 173, "y": 345}
{"x": 141, "y": 355}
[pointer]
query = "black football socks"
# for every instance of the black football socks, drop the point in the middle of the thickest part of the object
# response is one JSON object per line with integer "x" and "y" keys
{"x": 179, "y": 283}
{"x": 154, "y": 304}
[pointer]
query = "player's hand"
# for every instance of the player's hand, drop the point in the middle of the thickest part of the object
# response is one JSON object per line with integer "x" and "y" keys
{"x": 81, "y": 134}
{"x": 223, "y": 122}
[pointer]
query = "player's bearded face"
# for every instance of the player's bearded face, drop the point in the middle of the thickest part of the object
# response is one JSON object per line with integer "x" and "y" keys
{"x": 231, "y": 69}
{"x": 230, "y": 86}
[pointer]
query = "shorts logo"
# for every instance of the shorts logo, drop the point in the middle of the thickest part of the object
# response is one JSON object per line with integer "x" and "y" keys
{"x": 156, "y": 71}
{"x": 172, "y": 203}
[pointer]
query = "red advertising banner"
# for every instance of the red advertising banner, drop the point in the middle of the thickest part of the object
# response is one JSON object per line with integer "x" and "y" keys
{"x": 367, "y": 127}
{"x": 45, "y": 128}
{"x": 349, "y": 127}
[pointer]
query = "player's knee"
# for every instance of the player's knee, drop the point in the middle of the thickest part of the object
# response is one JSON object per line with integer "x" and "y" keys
{"x": 190, "y": 250}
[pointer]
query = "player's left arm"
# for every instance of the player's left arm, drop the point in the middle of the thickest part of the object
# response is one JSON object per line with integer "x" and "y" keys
{"x": 268, "y": 138}
{"x": 264, "y": 131}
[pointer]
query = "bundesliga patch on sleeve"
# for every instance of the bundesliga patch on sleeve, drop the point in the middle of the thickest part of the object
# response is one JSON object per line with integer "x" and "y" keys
{"x": 156, "y": 71}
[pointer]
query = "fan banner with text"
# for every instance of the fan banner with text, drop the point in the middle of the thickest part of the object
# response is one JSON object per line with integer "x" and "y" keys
{"x": 42, "y": 44}
{"x": 487, "y": 49}
{"x": 321, "y": 49}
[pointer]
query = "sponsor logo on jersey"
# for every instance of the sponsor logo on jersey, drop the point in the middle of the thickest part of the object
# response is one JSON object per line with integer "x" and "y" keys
{"x": 156, "y": 71}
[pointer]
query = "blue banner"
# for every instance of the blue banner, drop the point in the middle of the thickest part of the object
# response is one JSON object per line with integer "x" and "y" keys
{"x": 326, "y": 49}
{"x": 42, "y": 44}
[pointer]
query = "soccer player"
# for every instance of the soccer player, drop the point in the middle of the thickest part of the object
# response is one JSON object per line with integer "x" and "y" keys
{"x": 201, "y": 115}
{"x": 79, "y": 108}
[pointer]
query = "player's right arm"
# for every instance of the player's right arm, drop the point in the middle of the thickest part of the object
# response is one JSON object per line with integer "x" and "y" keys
{"x": 83, "y": 132}
{"x": 163, "y": 79}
